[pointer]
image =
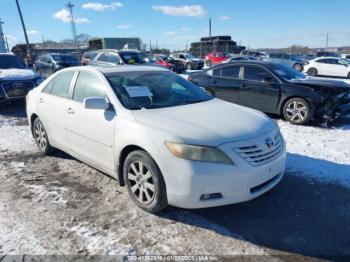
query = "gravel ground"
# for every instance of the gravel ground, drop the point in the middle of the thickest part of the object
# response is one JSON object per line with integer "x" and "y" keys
{"x": 59, "y": 206}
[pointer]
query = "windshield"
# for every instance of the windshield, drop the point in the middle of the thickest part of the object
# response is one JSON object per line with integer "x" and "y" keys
{"x": 138, "y": 90}
{"x": 190, "y": 56}
{"x": 287, "y": 72}
{"x": 11, "y": 61}
{"x": 132, "y": 58}
{"x": 64, "y": 59}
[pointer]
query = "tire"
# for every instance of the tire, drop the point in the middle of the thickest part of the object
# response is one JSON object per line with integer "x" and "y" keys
{"x": 297, "y": 111}
{"x": 312, "y": 72}
{"x": 298, "y": 67}
{"x": 145, "y": 182}
{"x": 349, "y": 75}
{"x": 189, "y": 66}
{"x": 208, "y": 63}
{"x": 41, "y": 138}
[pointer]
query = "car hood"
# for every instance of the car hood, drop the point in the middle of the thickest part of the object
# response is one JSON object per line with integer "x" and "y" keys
{"x": 210, "y": 123}
{"x": 335, "y": 85}
{"x": 16, "y": 74}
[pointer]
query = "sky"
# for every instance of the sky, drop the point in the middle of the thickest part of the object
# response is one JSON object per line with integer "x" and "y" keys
{"x": 252, "y": 23}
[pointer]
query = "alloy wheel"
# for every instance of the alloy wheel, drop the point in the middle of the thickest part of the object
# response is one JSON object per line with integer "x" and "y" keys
{"x": 141, "y": 182}
{"x": 296, "y": 111}
{"x": 40, "y": 135}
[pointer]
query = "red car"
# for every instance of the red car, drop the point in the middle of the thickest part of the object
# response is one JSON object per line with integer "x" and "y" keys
{"x": 215, "y": 58}
{"x": 162, "y": 60}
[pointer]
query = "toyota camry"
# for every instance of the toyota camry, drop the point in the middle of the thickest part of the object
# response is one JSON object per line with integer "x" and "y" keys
{"x": 160, "y": 135}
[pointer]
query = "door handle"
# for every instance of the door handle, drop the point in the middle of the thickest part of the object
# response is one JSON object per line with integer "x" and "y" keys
{"x": 41, "y": 100}
{"x": 70, "y": 110}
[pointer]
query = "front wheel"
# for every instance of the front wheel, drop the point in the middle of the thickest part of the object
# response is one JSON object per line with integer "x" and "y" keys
{"x": 349, "y": 75}
{"x": 208, "y": 63}
{"x": 312, "y": 72}
{"x": 144, "y": 181}
{"x": 189, "y": 66}
{"x": 297, "y": 111}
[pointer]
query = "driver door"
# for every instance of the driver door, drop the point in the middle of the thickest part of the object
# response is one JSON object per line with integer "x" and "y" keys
{"x": 256, "y": 92}
{"x": 90, "y": 132}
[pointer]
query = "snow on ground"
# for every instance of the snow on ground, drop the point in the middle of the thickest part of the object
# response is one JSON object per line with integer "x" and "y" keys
{"x": 318, "y": 153}
{"x": 57, "y": 205}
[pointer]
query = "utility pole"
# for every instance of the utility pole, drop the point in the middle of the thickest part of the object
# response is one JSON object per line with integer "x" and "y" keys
{"x": 327, "y": 42}
{"x": 29, "y": 50}
{"x": 209, "y": 27}
{"x": 7, "y": 45}
{"x": 74, "y": 29}
{"x": 2, "y": 39}
{"x": 43, "y": 42}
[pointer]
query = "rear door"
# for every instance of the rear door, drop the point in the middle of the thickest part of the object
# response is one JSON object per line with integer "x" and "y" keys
{"x": 52, "y": 103}
{"x": 225, "y": 83}
{"x": 259, "y": 89}
{"x": 91, "y": 131}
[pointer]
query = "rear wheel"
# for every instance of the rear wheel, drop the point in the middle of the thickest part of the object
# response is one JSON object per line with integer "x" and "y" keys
{"x": 312, "y": 72}
{"x": 144, "y": 181}
{"x": 40, "y": 136}
{"x": 297, "y": 111}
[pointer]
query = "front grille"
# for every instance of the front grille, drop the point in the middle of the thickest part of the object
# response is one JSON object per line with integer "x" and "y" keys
{"x": 260, "y": 154}
{"x": 18, "y": 88}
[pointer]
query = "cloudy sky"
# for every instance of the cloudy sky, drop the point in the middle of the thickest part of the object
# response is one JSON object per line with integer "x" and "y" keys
{"x": 253, "y": 23}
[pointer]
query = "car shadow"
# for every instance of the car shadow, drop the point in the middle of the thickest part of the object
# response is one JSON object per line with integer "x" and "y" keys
{"x": 300, "y": 215}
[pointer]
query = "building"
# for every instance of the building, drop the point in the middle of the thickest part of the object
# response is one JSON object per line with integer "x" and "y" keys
{"x": 215, "y": 44}
{"x": 114, "y": 43}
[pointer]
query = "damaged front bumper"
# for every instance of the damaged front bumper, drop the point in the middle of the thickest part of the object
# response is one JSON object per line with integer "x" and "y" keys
{"x": 334, "y": 108}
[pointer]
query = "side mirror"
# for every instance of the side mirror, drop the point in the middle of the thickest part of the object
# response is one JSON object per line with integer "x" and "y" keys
{"x": 268, "y": 80}
{"x": 49, "y": 61}
{"x": 96, "y": 103}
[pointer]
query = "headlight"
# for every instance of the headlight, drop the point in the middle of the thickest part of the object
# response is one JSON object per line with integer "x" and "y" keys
{"x": 198, "y": 153}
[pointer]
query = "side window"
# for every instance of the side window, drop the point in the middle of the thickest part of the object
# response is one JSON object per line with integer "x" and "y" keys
{"x": 43, "y": 59}
{"x": 113, "y": 58}
{"x": 255, "y": 73}
{"x": 47, "y": 89}
{"x": 103, "y": 58}
{"x": 231, "y": 72}
{"x": 62, "y": 83}
{"x": 88, "y": 85}
{"x": 182, "y": 57}
{"x": 216, "y": 72}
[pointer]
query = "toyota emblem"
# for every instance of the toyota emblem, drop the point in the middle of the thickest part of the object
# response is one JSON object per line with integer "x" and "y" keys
{"x": 269, "y": 143}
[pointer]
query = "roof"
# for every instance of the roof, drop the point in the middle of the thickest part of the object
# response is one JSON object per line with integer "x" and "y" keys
{"x": 10, "y": 54}
{"x": 121, "y": 68}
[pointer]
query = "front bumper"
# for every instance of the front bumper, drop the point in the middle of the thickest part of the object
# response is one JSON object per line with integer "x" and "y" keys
{"x": 187, "y": 181}
{"x": 333, "y": 109}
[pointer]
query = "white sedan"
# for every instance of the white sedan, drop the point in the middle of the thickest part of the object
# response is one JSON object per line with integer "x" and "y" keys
{"x": 328, "y": 66}
{"x": 160, "y": 135}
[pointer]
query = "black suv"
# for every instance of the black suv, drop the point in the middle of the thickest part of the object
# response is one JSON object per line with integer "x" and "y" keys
{"x": 48, "y": 64}
{"x": 276, "y": 89}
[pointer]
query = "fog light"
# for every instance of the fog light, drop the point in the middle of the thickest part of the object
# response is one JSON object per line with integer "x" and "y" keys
{"x": 210, "y": 196}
